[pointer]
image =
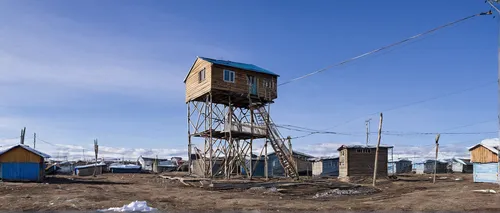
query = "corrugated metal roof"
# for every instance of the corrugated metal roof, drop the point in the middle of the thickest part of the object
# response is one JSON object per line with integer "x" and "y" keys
{"x": 490, "y": 144}
{"x": 362, "y": 147}
{"x": 463, "y": 161}
{"x": 234, "y": 64}
{"x": 34, "y": 151}
{"x": 297, "y": 153}
{"x": 122, "y": 166}
{"x": 90, "y": 165}
{"x": 323, "y": 158}
{"x": 239, "y": 65}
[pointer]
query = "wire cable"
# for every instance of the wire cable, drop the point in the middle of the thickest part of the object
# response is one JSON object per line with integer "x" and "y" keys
{"x": 385, "y": 47}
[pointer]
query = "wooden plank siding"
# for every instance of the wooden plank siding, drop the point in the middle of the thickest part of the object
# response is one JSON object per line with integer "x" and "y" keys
{"x": 481, "y": 154}
{"x": 19, "y": 154}
{"x": 361, "y": 163}
{"x": 240, "y": 85}
{"x": 343, "y": 156}
{"x": 194, "y": 88}
{"x": 214, "y": 82}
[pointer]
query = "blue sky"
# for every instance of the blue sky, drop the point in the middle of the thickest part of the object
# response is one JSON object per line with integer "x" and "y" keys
{"x": 113, "y": 70}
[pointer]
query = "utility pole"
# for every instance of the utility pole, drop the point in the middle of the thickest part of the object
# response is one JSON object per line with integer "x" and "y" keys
{"x": 376, "y": 150}
{"x": 96, "y": 150}
{"x": 367, "y": 125}
{"x": 83, "y": 154}
{"x": 34, "y": 140}
{"x": 498, "y": 80}
{"x": 23, "y": 132}
{"x": 436, "y": 160}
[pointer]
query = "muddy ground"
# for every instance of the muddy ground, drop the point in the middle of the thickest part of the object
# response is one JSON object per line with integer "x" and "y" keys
{"x": 452, "y": 192}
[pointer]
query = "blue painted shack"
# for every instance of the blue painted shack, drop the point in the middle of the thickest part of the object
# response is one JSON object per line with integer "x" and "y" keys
{"x": 304, "y": 166}
{"x": 22, "y": 163}
{"x": 418, "y": 167}
{"x": 399, "y": 167}
{"x": 120, "y": 168}
{"x": 258, "y": 167}
{"x": 325, "y": 167}
{"x": 484, "y": 158}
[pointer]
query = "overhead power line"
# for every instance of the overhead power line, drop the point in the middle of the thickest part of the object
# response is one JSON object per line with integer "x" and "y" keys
{"x": 417, "y": 102}
{"x": 385, "y": 47}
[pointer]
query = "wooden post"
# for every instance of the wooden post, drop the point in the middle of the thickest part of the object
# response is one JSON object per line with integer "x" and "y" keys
{"x": 210, "y": 115}
{"x": 190, "y": 161}
{"x": 96, "y": 150}
{"x": 376, "y": 150}
{"x": 251, "y": 142}
{"x": 435, "y": 160}
{"x": 266, "y": 168}
{"x": 34, "y": 140}
{"x": 23, "y": 132}
{"x": 289, "y": 139}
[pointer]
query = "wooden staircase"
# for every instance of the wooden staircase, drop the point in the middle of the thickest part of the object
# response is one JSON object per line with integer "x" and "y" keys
{"x": 277, "y": 141}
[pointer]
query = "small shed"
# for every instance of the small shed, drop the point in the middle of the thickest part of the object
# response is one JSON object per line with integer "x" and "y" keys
{"x": 88, "y": 170}
{"x": 399, "y": 167}
{"x": 325, "y": 167}
{"x": 441, "y": 167}
{"x": 127, "y": 168}
{"x": 147, "y": 163}
{"x": 358, "y": 161}
{"x": 304, "y": 166}
{"x": 22, "y": 163}
{"x": 66, "y": 167}
{"x": 165, "y": 166}
{"x": 461, "y": 165}
{"x": 418, "y": 167}
{"x": 258, "y": 166}
{"x": 484, "y": 159}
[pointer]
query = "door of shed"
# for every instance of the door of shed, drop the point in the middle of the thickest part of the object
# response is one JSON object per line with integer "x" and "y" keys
{"x": 20, "y": 171}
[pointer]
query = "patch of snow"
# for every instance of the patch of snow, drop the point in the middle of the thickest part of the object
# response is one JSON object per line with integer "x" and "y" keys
{"x": 136, "y": 206}
{"x": 486, "y": 191}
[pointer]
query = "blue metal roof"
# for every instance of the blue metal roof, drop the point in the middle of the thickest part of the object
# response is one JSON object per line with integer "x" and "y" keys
{"x": 239, "y": 65}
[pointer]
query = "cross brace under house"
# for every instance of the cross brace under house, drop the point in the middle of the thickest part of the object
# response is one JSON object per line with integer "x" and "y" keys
{"x": 229, "y": 133}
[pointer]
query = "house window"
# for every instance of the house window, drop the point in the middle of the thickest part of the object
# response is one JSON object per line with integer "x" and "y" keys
{"x": 201, "y": 75}
{"x": 363, "y": 150}
{"x": 229, "y": 76}
{"x": 267, "y": 83}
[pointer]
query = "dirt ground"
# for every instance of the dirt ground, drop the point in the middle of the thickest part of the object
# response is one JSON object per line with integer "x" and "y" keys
{"x": 452, "y": 192}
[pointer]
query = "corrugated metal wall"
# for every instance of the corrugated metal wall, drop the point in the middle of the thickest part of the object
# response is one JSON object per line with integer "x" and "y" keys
{"x": 418, "y": 168}
{"x": 258, "y": 170}
{"x": 330, "y": 167}
{"x": 12, "y": 171}
{"x": 485, "y": 172}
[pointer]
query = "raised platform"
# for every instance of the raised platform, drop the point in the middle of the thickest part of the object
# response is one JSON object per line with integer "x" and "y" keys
{"x": 236, "y": 99}
{"x": 234, "y": 134}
